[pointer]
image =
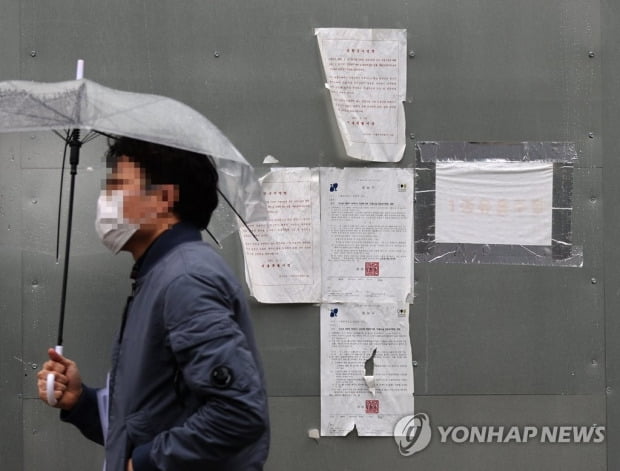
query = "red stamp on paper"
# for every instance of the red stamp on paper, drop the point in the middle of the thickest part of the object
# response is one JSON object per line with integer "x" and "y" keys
{"x": 372, "y": 269}
{"x": 372, "y": 406}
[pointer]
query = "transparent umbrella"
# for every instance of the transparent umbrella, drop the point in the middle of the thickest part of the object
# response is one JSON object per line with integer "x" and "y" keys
{"x": 85, "y": 105}
{"x": 69, "y": 108}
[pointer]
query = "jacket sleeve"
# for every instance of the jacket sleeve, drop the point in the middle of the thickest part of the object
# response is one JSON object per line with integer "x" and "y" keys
{"x": 219, "y": 369}
{"x": 85, "y": 415}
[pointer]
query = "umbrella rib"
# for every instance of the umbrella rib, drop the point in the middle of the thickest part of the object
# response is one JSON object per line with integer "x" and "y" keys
{"x": 45, "y": 105}
{"x": 214, "y": 238}
{"x": 237, "y": 213}
{"x": 92, "y": 135}
{"x": 35, "y": 116}
{"x": 64, "y": 138}
{"x": 144, "y": 122}
{"x": 105, "y": 134}
{"x": 110, "y": 116}
{"x": 62, "y": 175}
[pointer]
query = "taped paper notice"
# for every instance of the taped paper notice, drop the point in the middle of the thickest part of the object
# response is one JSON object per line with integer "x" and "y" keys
{"x": 366, "y": 233}
{"x": 494, "y": 203}
{"x": 283, "y": 266}
{"x": 351, "y": 335}
{"x": 366, "y": 75}
{"x": 357, "y": 250}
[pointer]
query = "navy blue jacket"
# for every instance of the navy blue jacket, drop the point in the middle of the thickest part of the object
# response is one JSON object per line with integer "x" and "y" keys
{"x": 186, "y": 385}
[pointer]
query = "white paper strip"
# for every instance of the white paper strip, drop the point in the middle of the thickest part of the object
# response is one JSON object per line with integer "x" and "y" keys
{"x": 494, "y": 202}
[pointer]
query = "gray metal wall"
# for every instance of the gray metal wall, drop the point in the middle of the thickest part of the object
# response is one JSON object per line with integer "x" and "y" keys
{"x": 494, "y": 345}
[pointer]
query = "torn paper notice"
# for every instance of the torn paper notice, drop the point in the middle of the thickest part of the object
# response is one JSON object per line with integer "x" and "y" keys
{"x": 366, "y": 75}
{"x": 366, "y": 234}
{"x": 283, "y": 266}
{"x": 494, "y": 202}
{"x": 366, "y": 370}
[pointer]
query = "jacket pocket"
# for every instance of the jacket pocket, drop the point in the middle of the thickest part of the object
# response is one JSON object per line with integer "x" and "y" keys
{"x": 139, "y": 428}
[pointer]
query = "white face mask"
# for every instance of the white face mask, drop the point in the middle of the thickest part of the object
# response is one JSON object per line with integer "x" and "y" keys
{"x": 113, "y": 230}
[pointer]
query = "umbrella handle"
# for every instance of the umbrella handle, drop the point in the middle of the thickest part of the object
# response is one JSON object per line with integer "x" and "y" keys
{"x": 51, "y": 400}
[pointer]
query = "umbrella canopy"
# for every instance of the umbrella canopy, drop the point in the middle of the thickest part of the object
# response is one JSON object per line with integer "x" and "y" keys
{"x": 84, "y": 104}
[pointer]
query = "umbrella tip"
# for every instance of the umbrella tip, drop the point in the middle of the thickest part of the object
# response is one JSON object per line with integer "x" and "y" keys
{"x": 79, "y": 72}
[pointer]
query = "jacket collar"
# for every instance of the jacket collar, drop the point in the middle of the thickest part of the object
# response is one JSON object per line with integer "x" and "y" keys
{"x": 178, "y": 234}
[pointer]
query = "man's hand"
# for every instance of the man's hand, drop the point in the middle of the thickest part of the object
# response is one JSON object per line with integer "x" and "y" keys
{"x": 67, "y": 384}
{"x": 130, "y": 465}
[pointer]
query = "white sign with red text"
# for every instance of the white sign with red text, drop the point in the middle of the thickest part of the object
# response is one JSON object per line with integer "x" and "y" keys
{"x": 506, "y": 203}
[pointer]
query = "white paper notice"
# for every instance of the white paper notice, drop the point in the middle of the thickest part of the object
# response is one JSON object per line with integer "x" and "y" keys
{"x": 366, "y": 74}
{"x": 366, "y": 233}
{"x": 366, "y": 370}
{"x": 283, "y": 266}
{"x": 494, "y": 202}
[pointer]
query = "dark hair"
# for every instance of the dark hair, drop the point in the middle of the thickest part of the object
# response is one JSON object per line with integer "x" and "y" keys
{"x": 193, "y": 174}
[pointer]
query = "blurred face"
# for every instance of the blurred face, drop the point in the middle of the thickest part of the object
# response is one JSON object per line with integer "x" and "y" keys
{"x": 149, "y": 207}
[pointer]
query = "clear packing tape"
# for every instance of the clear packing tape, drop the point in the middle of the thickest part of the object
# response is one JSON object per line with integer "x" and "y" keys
{"x": 561, "y": 252}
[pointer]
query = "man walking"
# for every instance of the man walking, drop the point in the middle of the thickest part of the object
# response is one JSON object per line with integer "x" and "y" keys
{"x": 186, "y": 389}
